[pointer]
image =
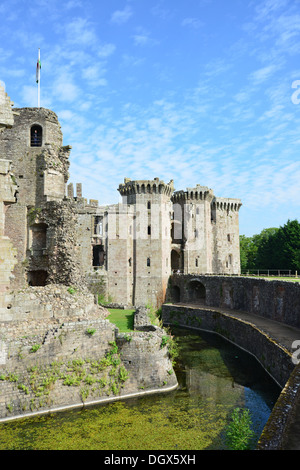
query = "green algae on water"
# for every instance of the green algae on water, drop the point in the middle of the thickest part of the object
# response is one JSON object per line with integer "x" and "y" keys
{"x": 214, "y": 377}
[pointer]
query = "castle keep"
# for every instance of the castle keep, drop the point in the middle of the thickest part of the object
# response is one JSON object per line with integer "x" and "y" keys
{"x": 127, "y": 251}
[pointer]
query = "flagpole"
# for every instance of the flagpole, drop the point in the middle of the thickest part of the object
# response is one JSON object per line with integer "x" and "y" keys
{"x": 39, "y": 82}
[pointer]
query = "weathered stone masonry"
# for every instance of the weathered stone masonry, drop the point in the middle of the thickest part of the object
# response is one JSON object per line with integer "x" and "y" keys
{"x": 126, "y": 251}
{"x": 214, "y": 297}
{"x": 277, "y": 300}
{"x": 57, "y": 350}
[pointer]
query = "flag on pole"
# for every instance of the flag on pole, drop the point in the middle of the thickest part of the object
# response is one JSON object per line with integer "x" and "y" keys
{"x": 38, "y": 69}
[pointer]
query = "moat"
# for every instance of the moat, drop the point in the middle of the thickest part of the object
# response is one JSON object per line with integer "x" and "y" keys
{"x": 214, "y": 378}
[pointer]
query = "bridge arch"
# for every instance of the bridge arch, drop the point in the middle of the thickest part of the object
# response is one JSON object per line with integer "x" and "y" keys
{"x": 176, "y": 294}
{"x": 196, "y": 291}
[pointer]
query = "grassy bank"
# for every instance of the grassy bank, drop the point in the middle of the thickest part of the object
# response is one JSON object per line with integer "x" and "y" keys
{"x": 124, "y": 319}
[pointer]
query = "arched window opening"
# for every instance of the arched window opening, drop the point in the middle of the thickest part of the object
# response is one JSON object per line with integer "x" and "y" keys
{"x": 98, "y": 255}
{"x": 36, "y": 136}
{"x": 196, "y": 292}
{"x": 38, "y": 238}
{"x": 98, "y": 225}
{"x": 176, "y": 261}
{"x": 176, "y": 294}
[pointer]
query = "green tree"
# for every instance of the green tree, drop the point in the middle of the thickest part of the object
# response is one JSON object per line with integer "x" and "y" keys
{"x": 273, "y": 248}
{"x": 288, "y": 244}
{"x": 267, "y": 249}
{"x": 251, "y": 248}
{"x": 248, "y": 252}
{"x": 244, "y": 251}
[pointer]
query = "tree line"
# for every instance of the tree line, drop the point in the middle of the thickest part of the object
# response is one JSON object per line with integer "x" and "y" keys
{"x": 272, "y": 248}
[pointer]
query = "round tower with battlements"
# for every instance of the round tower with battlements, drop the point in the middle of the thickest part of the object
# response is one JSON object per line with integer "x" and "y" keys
{"x": 148, "y": 242}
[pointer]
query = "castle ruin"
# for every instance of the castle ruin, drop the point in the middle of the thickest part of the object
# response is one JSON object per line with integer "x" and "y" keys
{"x": 126, "y": 252}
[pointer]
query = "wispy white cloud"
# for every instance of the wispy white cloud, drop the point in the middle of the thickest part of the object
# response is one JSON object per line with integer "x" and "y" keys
{"x": 94, "y": 74}
{"x": 73, "y": 4}
{"x": 106, "y": 50}
{"x": 217, "y": 112}
{"x": 65, "y": 88}
{"x": 192, "y": 22}
{"x": 264, "y": 73}
{"x": 143, "y": 38}
{"x": 80, "y": 32}
{"x": 265, "y": 9}
{"x": 121, "y": 16}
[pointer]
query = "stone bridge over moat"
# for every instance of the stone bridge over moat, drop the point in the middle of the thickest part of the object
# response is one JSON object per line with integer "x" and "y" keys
{"x": 260, "y": 316}
{"x": 276, "y": 300}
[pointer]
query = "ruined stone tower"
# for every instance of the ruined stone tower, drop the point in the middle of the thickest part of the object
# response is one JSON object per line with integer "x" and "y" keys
{"x": 40, "y": 165}
{"x": 8, "y": 190}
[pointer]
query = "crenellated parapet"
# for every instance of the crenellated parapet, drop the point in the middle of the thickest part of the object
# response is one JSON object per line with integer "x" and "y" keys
{"x": 80, "y": 201}
{"x": 199, "y": 193}
{"x": 155, "y": 186}
{"x": 226, "y": 204}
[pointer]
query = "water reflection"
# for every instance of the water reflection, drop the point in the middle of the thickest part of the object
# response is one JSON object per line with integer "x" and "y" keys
{"x": 211, "y": 368}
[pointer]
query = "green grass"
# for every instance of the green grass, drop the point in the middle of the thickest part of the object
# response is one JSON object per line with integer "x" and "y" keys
{"x": 291, "y": 279}
{"x": 123, "y": 319}
{"x": 277, "y": 278}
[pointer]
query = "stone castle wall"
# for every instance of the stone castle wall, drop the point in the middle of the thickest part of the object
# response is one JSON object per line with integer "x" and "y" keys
{"x": 275, "y": 358}
{"x": 6, "y": 112}
{"x": 58, "y": 351}
{"x": 142, "y": 237}
{"x": 7, "y": 250}
{"x": 213, "y": 298}
{"x": 276, "y": 300}
{"x": 40, "y": 173}
{"x": 225, "y": 228}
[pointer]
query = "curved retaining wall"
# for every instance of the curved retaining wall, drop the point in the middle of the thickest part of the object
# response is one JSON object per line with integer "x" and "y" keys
{"x": 276, "y": 300}
{"x": 272, "y": 356}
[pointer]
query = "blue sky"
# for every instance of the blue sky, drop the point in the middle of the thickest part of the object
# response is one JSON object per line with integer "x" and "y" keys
{"x": 199, "y": 91}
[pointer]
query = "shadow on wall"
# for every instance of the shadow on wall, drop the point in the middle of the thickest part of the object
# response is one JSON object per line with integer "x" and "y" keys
{"x": 196, "y": 293}
{"x": 37, "y": 278}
